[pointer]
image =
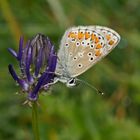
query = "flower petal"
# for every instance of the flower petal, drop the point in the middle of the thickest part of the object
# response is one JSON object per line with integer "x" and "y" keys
{"x": 28, "y": 62}
{"x": 46, "y": 77}
{"x": 34, "y": 94}
{"x": 21, "y": 82}
{"x": 51, "y": 67}
{"x": 12, "y": 52}
{"x": 38, "y": 62}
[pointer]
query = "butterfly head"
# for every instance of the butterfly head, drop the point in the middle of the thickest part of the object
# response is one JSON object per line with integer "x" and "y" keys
{"x": 71, "y": 82}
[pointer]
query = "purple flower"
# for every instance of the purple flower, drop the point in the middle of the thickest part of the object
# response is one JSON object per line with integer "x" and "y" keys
{"x": 37, "y": 62}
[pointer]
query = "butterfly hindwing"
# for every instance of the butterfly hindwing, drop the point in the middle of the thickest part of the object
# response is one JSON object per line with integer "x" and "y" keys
{"x": 83, "y": 46}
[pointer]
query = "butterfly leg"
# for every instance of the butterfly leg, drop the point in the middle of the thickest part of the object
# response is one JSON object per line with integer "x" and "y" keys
{"x": 52, "y": 83}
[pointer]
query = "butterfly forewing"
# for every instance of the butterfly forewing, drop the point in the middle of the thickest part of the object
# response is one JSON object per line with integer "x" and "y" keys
{"x": 81, "y": 47}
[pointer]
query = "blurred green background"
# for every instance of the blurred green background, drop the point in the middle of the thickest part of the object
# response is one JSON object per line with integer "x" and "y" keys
{"x": 78, "y": 113}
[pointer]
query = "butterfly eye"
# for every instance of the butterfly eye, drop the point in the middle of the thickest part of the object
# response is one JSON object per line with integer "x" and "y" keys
{"x": 71, "y": 82}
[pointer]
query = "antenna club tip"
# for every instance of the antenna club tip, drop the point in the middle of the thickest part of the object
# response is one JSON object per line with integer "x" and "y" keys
{"x": 91, "y": 86}
{"x": 100, "y": 92}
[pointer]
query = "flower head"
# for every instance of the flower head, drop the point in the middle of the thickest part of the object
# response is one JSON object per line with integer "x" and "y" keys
{"x": 37, "y": 62}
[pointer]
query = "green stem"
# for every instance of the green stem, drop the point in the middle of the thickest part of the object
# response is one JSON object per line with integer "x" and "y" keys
{"x": 35, "y": 121}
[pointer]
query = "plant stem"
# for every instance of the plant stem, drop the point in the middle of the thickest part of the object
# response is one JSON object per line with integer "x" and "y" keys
{"x": 35, "y": 121}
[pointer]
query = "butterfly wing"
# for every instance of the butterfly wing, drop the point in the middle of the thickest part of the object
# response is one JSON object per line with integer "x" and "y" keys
{"x": 83, "y": 46}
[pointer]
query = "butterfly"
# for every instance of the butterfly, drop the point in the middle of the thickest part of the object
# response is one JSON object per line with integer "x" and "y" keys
{"x": 82, "y": 47}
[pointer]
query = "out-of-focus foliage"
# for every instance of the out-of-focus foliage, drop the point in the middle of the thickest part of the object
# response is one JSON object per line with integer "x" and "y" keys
{"x": 78, "y": 113}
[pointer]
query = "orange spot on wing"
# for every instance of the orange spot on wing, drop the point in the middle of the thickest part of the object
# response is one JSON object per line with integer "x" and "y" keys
{"x": 111, "y": 42}
{"x": 96, "y": 40}
{"x": 80, "y": 35}
{"x": 92, "y": 36}
{"x": 98, "y": 46}
{"x": 108, "y": 37}
{"x": 87, "y": 35}
{"x": 98, "y": 53}
{"x": 69, "y": 34}
{"x": 72, "y": 35}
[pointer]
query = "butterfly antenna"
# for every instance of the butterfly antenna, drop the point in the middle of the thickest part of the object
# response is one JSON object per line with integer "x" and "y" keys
{"x": 91, "y": 86}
